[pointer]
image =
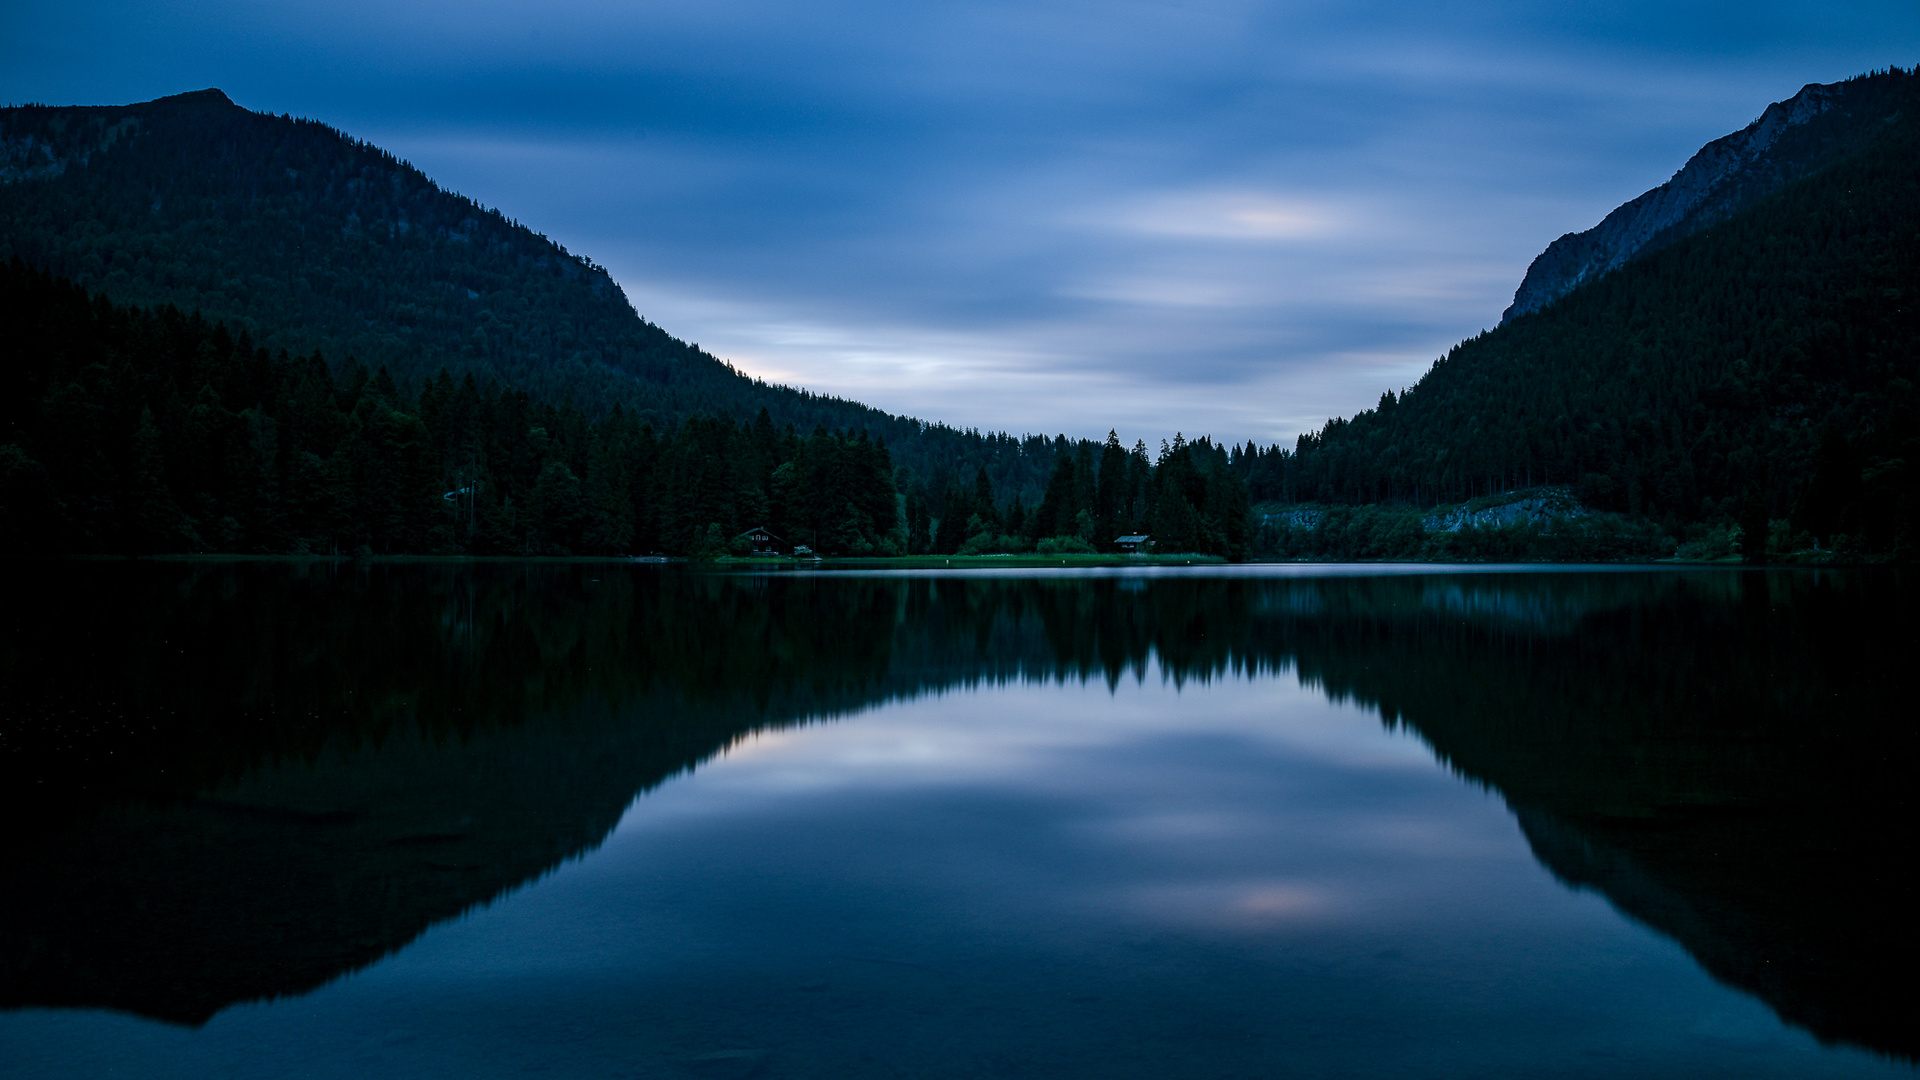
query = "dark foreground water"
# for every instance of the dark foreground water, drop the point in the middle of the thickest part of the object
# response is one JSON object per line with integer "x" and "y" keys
{"x": 617, "y": 821}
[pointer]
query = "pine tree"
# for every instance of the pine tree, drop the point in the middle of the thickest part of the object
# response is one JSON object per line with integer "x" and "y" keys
{"x": 155, "y": 522}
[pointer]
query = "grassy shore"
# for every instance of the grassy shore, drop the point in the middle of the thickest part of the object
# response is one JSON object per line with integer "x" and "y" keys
{"x": 910, "y": 562}
{"x": 969, "y": 562}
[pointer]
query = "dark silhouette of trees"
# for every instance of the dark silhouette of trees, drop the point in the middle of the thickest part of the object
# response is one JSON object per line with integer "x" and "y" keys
{"x": 132, "y": 431}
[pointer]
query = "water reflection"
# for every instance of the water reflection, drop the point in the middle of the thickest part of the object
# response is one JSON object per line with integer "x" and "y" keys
{"x": 230, "y": 783}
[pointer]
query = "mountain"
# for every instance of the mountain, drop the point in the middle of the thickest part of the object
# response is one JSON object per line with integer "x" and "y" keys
{"x": 1761, "y": 371}
{"x": 308, "y": 240}
{"x": 1815, "y": 128}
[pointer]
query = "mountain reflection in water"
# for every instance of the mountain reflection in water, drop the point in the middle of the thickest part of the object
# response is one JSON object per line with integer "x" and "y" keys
{"x": 233, "y": 782}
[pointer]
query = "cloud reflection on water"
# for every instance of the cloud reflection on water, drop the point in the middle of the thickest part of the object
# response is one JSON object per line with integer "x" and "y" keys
{"x": 1232, "y": 806}
{"x": 1012, "y": 732}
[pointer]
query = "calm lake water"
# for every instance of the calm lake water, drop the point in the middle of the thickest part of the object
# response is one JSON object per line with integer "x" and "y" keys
{"x": 604, "y": 820}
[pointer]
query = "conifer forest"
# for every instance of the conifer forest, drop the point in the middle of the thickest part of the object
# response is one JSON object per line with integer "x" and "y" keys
{"x": 136, "y": 431}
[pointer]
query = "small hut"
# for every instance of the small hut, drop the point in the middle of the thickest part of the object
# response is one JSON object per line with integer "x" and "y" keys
{"x": 1134, "y": 545}
{"x": 764, "y": 542}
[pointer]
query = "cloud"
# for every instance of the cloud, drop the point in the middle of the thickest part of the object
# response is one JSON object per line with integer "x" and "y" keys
{"x": 1227, "y": 215}
{"x": 1222, "y": 216}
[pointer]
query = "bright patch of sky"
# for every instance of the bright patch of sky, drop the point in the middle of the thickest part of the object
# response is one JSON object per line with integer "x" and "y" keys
{"x": 1219, "y": 216}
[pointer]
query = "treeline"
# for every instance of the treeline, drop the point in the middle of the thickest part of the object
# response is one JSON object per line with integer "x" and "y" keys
{"x": 1188, "y": 498}
{"x": 1762, "y": 371}
{"x": 133, "y": 431}
{"x": 1400, "y": 534}
{"x": 124, "y": 430}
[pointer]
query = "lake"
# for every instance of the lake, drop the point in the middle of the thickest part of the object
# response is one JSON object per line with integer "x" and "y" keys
{"x": 613, "y": 820}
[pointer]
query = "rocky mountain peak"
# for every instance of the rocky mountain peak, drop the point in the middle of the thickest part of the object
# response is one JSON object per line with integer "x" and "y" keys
{"x": 1792, "y": 139}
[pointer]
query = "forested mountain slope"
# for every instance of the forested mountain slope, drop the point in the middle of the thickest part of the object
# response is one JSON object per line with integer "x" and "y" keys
{"x": 1815, "y": 128}
{"x": 1763, "y": 369}
{"x": 312, "y": 241}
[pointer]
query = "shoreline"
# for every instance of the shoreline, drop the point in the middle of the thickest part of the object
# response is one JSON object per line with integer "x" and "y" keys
{"x": 946, "y": 562}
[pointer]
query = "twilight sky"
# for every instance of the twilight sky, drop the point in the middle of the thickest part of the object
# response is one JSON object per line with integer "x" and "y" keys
{"x": 1219, "y": 216}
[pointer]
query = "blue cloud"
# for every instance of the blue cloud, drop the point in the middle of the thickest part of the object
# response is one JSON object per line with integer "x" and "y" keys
{"x": 1231, "y": 217}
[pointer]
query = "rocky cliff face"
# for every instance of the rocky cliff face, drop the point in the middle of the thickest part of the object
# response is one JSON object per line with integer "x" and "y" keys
{"x": 1794, "y": 138}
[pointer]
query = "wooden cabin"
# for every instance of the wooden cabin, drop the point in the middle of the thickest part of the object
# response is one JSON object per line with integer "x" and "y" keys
{"x": 764, "y": 542}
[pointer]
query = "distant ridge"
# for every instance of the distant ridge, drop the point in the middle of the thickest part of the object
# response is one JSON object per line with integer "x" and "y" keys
{"x": 1815, "y": 128}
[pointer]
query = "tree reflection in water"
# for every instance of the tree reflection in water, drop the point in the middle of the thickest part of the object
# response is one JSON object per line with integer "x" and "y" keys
{"x": 237, "y": 781}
